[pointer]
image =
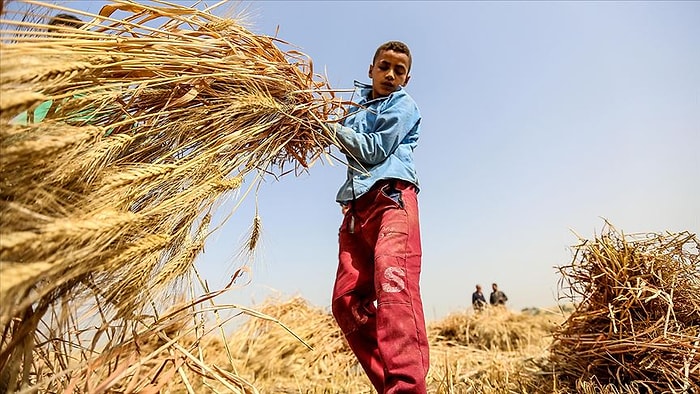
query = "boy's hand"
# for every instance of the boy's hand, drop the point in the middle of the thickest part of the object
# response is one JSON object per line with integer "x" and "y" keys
{"x": 331, "y": 131}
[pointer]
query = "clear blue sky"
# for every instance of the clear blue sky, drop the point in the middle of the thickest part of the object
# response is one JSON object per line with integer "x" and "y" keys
{"x": 539, "y": 120}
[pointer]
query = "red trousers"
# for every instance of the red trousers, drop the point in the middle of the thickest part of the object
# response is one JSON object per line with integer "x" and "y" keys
{"x": 380, "y": 260}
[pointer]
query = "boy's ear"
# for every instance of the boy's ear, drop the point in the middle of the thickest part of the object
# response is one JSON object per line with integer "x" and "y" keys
{"x": 408, "y": 77}
{"x": 369, "y": 73}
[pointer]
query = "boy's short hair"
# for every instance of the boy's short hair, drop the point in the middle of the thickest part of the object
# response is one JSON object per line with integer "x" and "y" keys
{"x": 65, "y": 20}
{"x": 396, "y": 46}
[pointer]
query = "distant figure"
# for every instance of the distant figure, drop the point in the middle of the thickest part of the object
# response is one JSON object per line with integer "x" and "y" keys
{"x": 61, "y": 23}
{"x": 64, "y": 20}
{"x": 478, "y": 300}
{"x": 497, "y": 297}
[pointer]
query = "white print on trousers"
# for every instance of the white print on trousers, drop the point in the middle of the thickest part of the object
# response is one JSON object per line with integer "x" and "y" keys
{"x": 359, "y": 318}
{"x": 395, "y": 284}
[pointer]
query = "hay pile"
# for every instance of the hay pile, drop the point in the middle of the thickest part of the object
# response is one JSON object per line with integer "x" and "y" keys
{"x": 272, "y": 360}
{"x": 158, "y": 112}
{"x": 638, "y": 321}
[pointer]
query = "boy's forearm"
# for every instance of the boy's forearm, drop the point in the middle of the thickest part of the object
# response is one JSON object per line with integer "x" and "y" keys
{"x": 358, "y": 145}
{"x": 372, "y": 140}
{"x": 370, "y": 148}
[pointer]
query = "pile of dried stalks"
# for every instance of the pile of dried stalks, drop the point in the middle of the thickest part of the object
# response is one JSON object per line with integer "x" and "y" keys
{"x": 638, "y": 320}
{"x": 272, "y": 360}
{"x": 157, "y": 112}
{"x": 275, "y": 361}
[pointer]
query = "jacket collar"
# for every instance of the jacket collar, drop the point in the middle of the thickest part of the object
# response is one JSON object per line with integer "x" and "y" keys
{"x": 366, "y": 90}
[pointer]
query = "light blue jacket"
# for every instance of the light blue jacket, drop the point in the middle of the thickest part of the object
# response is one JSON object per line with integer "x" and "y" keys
{"x": 378, "y": 138}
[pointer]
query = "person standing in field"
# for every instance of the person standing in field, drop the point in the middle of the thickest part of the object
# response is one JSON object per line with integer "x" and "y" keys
{"x": 58, "y": 25}
{"x": 62, "y": 21}
{"x": 376, "y": 297}
{"x": 497, "y": 297}
{"x": 478, "y": 299}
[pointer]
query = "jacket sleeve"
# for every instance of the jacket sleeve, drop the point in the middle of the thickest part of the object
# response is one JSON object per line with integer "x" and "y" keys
{"x": 391, "y": 126}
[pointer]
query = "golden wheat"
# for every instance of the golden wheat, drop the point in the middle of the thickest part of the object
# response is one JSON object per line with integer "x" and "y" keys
{"x": 157, "y": 111}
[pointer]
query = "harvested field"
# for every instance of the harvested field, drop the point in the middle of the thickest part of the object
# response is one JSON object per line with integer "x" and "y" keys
{"x": 465, "y": 356}
{"x": 299, "y": 349}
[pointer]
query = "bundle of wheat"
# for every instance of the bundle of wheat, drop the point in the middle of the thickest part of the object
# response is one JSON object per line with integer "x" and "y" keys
{"x": 156, "y": 112}
{"x": 638, "y": 320}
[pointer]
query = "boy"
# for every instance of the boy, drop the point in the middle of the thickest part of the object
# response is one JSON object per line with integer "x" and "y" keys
{"x": 379, "y": 239}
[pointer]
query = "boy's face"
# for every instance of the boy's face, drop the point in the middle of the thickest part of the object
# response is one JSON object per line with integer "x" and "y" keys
{"x": 389, "y": 71}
